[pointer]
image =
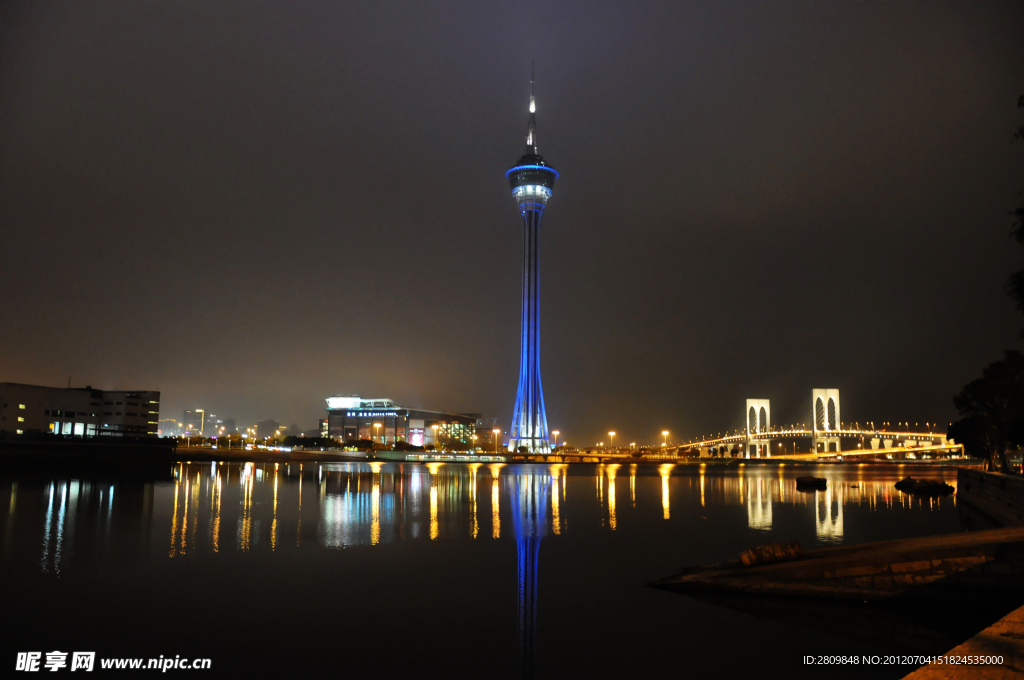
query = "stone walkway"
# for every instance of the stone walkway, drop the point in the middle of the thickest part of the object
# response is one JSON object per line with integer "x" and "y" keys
{"x": 1003, "y": 638}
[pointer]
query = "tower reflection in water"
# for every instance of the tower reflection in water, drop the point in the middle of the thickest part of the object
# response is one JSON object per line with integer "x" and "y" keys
{"x": 529, "y": 490}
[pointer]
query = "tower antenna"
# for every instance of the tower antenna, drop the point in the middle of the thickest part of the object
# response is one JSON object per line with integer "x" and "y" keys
{"x": 531, "y": 128}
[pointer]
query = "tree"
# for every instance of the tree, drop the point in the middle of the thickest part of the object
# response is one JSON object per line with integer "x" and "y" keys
{"x": 1015, "y": 286}
{"x": 992, "y": 411}
{"x": 992, "y": 407}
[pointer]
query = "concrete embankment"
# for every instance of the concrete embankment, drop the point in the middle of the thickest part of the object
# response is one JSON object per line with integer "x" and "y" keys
{"x": 936, "y": 568}
{"x": 999, "y": 496}
{"x": 1004, "y": 638}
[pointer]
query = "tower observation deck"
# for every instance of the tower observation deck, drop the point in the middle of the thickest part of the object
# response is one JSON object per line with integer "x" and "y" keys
{"x": 532, "y": 182}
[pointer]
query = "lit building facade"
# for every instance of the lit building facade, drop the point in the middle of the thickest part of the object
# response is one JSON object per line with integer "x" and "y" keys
{"x": 381, "y": 420}
{"x": 78, "y": 411}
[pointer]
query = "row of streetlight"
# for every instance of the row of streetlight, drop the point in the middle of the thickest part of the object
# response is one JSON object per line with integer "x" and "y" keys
{"x": 611, "y": 440}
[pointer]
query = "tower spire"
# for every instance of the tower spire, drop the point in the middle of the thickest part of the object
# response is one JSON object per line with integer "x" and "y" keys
{"x": 531, "y": 128}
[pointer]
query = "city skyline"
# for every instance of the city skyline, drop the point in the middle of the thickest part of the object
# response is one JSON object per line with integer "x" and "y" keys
{"x": 242, "y": 215}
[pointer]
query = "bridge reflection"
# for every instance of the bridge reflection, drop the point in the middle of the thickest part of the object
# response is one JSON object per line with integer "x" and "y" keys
{"x": 211, "y": 508}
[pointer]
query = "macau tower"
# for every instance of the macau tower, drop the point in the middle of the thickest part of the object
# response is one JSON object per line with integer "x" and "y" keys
{"x": 532, "y": 181}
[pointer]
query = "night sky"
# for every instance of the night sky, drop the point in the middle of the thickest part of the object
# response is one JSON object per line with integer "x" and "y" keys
{"x": 251, "y": 206}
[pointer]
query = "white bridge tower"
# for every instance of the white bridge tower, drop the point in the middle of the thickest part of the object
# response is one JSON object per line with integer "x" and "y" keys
{"x": 825, "y": 421}
{"x": 759, "y": 418}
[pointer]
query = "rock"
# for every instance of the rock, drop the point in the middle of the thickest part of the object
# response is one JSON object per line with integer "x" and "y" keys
{"x": 811, "y": 483}
{"x": 773, "y": 552}
{"x": 924, "y": 487}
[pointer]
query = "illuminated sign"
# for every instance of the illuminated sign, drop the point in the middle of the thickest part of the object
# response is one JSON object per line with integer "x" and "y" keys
{"x": 370, "y": 414}
{"x": 342, "y": 402}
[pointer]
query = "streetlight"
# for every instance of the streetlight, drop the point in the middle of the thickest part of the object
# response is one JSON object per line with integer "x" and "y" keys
{"x": 434, "y": 427}
{"x": 664, "y": 433}
{"x": 496, "y": 432}
{"x": 376, "y": 429}
{"x": 556, "y": 433}
{"x": 611, "y": 438}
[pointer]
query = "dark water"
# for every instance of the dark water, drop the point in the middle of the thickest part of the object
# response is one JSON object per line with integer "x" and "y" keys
{"x": 386, "y": 570}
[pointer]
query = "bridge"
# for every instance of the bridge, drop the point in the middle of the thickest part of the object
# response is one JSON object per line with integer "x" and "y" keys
{"x": 827, "y": 437}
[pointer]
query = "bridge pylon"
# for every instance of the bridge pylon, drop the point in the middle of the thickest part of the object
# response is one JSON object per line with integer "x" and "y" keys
{"x": 758, "y": 418}
{"x": 825, "y": 420}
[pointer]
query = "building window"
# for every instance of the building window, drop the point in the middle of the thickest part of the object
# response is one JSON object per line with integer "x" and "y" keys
{"x": 21, "y": 406}
{"x": 20, "y": 419}
{"x": 20, "y": 431}
{"x": 118, "y": 413}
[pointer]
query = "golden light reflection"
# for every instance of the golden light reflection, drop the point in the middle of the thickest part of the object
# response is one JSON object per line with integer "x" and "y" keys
{"x": 741, "y": 483}
{"x": 245, "y": 521}
{"x": 632, "y": 483}
{"x": 612, "y": 522}
{"x": 759, "y": 504}
{"x": 475, "y": 528}
{"x": 174, "y": 517}
{"x": 829, "y": 522}
{"x": 375, "y": 507}
{"x": 184, "y": 519}
{"x": 273, "y": 522}
{"x": 665, "y": 471}
{"x": 434, "y": 529}
{"x": 495, "y": 499}
{"x": 215, "y": 531}
{"x": 702, "y": 486}
{"x": 556, "y": 520}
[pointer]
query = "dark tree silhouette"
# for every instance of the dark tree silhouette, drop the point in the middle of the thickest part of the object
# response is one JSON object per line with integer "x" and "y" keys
{"x": 992, "y": 411}
{"x": 992, "y": 407}
{"x": 1015, "y": 286}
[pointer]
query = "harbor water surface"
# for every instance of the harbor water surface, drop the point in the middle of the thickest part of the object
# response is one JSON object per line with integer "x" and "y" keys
{"x": 465, "y": 570}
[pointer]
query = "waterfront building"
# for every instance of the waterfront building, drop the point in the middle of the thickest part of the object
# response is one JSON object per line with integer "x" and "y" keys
{"x": 192, "y": 422}
{"x": 532, "y": 181}
{"x": 169, "y": 427}
{"x": 350, "y": 417}
{"x": 78, "y": 411}
{"x": 267, "y": 429}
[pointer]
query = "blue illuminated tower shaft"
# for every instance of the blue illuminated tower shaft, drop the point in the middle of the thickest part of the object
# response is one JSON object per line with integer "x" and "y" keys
{"x": 529, "y": 420}
{"x": 532, "y": 182}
